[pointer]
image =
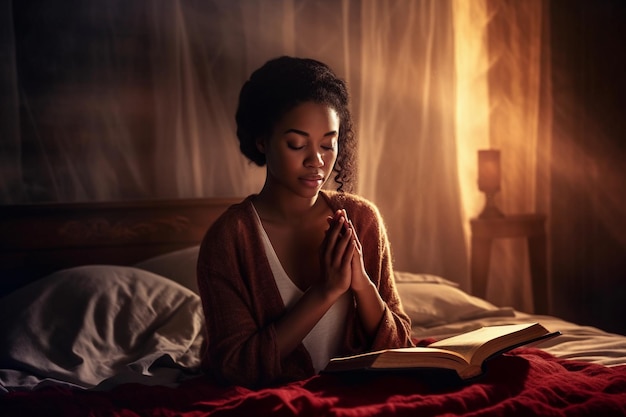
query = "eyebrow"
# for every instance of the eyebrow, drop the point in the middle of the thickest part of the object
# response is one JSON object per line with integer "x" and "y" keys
{"x": 302, "y": 133}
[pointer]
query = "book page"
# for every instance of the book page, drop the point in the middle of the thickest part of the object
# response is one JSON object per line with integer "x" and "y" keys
{"x": 468, "y": 344}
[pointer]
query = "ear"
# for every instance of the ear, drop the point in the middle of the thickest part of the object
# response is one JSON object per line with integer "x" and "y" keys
{"x": 260, "y": 145}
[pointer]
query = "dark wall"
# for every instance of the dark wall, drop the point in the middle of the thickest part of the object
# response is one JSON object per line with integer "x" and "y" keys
{"x": 588, "y": 199}
{"x": 71, "y": 62}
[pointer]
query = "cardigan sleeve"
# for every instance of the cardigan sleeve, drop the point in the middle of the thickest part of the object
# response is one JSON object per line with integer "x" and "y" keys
{"x": 394, "y": 329}
{"x": 240, "y": 306}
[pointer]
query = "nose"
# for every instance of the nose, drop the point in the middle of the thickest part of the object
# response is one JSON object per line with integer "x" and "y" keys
{"x": 314, "y": 159}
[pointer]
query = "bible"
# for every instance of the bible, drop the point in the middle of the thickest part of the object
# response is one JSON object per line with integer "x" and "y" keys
{"x": 465, "y": 353}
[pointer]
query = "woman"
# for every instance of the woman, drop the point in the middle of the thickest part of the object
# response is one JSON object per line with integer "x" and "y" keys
{"x": 295, "y": 275}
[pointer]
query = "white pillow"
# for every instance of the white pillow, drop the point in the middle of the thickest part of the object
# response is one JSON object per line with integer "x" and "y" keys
{"x": 179, "y": 266}
{"x": 86, "y": 324}
{"x": 401, "y": 276}
{"x": 431, "y": 301}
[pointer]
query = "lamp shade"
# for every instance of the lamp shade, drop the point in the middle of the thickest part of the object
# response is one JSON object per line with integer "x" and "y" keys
{"x": 489, "y": 170}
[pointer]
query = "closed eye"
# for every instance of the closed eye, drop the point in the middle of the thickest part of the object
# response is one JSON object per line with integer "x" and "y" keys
{"x": 332, "y": 145}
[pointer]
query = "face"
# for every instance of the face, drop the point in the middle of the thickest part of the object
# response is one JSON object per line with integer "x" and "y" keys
{"x": 302, "y": 149}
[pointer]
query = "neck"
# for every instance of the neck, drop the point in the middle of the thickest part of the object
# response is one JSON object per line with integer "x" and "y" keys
{"x": 284, "y": 207}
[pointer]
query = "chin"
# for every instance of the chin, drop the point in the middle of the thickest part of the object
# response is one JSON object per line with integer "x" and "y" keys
{"x": 308, "y": 192}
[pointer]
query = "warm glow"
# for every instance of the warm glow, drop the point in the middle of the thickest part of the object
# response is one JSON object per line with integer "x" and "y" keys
{"x": 472, "y": 103}
{"x": 489, "y": 170}
{"x": 497, "y": 107}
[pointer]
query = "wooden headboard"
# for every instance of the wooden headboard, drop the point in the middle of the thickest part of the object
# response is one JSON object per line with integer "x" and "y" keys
{"x": 37, "y": 239}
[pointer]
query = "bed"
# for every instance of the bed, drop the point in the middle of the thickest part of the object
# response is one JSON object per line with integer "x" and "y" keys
{"x": 99, "y": 315}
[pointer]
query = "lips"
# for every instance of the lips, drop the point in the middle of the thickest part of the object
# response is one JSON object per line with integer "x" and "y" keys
{"x": 312, "y": 180}
{"x": 312, "y": 177}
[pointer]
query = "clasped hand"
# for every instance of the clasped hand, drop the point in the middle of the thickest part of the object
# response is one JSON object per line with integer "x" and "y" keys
{"x": 342, "y": 256}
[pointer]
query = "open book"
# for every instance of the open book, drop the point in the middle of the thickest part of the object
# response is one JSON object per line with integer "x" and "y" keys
{"x": 464, "y": 353}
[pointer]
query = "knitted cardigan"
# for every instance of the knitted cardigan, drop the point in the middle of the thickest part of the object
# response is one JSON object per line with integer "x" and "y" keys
{"x": 241, "y": 301}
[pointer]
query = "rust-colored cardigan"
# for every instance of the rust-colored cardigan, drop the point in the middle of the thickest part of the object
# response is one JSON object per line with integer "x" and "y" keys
{"x": 241, "y": 301}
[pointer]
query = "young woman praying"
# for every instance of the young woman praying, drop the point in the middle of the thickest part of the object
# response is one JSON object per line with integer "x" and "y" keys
{"x": 296, "y": 274}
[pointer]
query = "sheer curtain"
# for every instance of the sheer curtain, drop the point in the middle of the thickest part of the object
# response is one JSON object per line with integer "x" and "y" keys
{"x": 136, "y": 100}
{"x": 406, "y": 120}
{"x": 519, "y": 125}
{"x": 503, "y": 101}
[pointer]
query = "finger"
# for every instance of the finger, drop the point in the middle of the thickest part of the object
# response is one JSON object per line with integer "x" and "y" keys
{"x": 356, "y": 259}
{"x": 342, "y": 214}
{"x": 341, "y": 247}
{"x": 348, "y": 255}
{"x": 336, "y": 228}
{"x": 355, "y": 236}
{"x": 332, "y": 236}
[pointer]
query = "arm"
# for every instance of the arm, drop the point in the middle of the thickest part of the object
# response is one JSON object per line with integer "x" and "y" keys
{"x": 389, "y": 327}
{"x": 370, "y": 305}
{"x": 336, "y": 261}
{"x": 241, "y": 305}
{"x": 240, "y": 344}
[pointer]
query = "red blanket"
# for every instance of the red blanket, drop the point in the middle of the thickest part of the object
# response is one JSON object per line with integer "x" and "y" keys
{"x": 525, "y": 382}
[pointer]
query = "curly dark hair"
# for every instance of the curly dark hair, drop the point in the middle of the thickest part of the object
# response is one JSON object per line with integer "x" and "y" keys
{"x": 280, "y": 85}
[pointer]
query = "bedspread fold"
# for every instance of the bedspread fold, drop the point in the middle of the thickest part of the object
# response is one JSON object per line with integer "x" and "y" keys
{"x": 527, "y": 381}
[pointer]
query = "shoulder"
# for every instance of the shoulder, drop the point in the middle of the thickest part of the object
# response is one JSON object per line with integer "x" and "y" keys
{"x": 354, "y": 204}
{"x": 233, "y": 222}
{"x": 363, "y": 213}
{"x": 237, "y": 212}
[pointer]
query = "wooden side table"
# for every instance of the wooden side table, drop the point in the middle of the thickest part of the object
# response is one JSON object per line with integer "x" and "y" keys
{"x": 529, "y": 226}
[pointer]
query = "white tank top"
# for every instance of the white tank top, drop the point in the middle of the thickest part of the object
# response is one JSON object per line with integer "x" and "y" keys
{"x": 324, "y": 340}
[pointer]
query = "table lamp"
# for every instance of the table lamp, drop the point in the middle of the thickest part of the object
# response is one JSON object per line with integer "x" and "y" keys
{"x": 489, "y": 181}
